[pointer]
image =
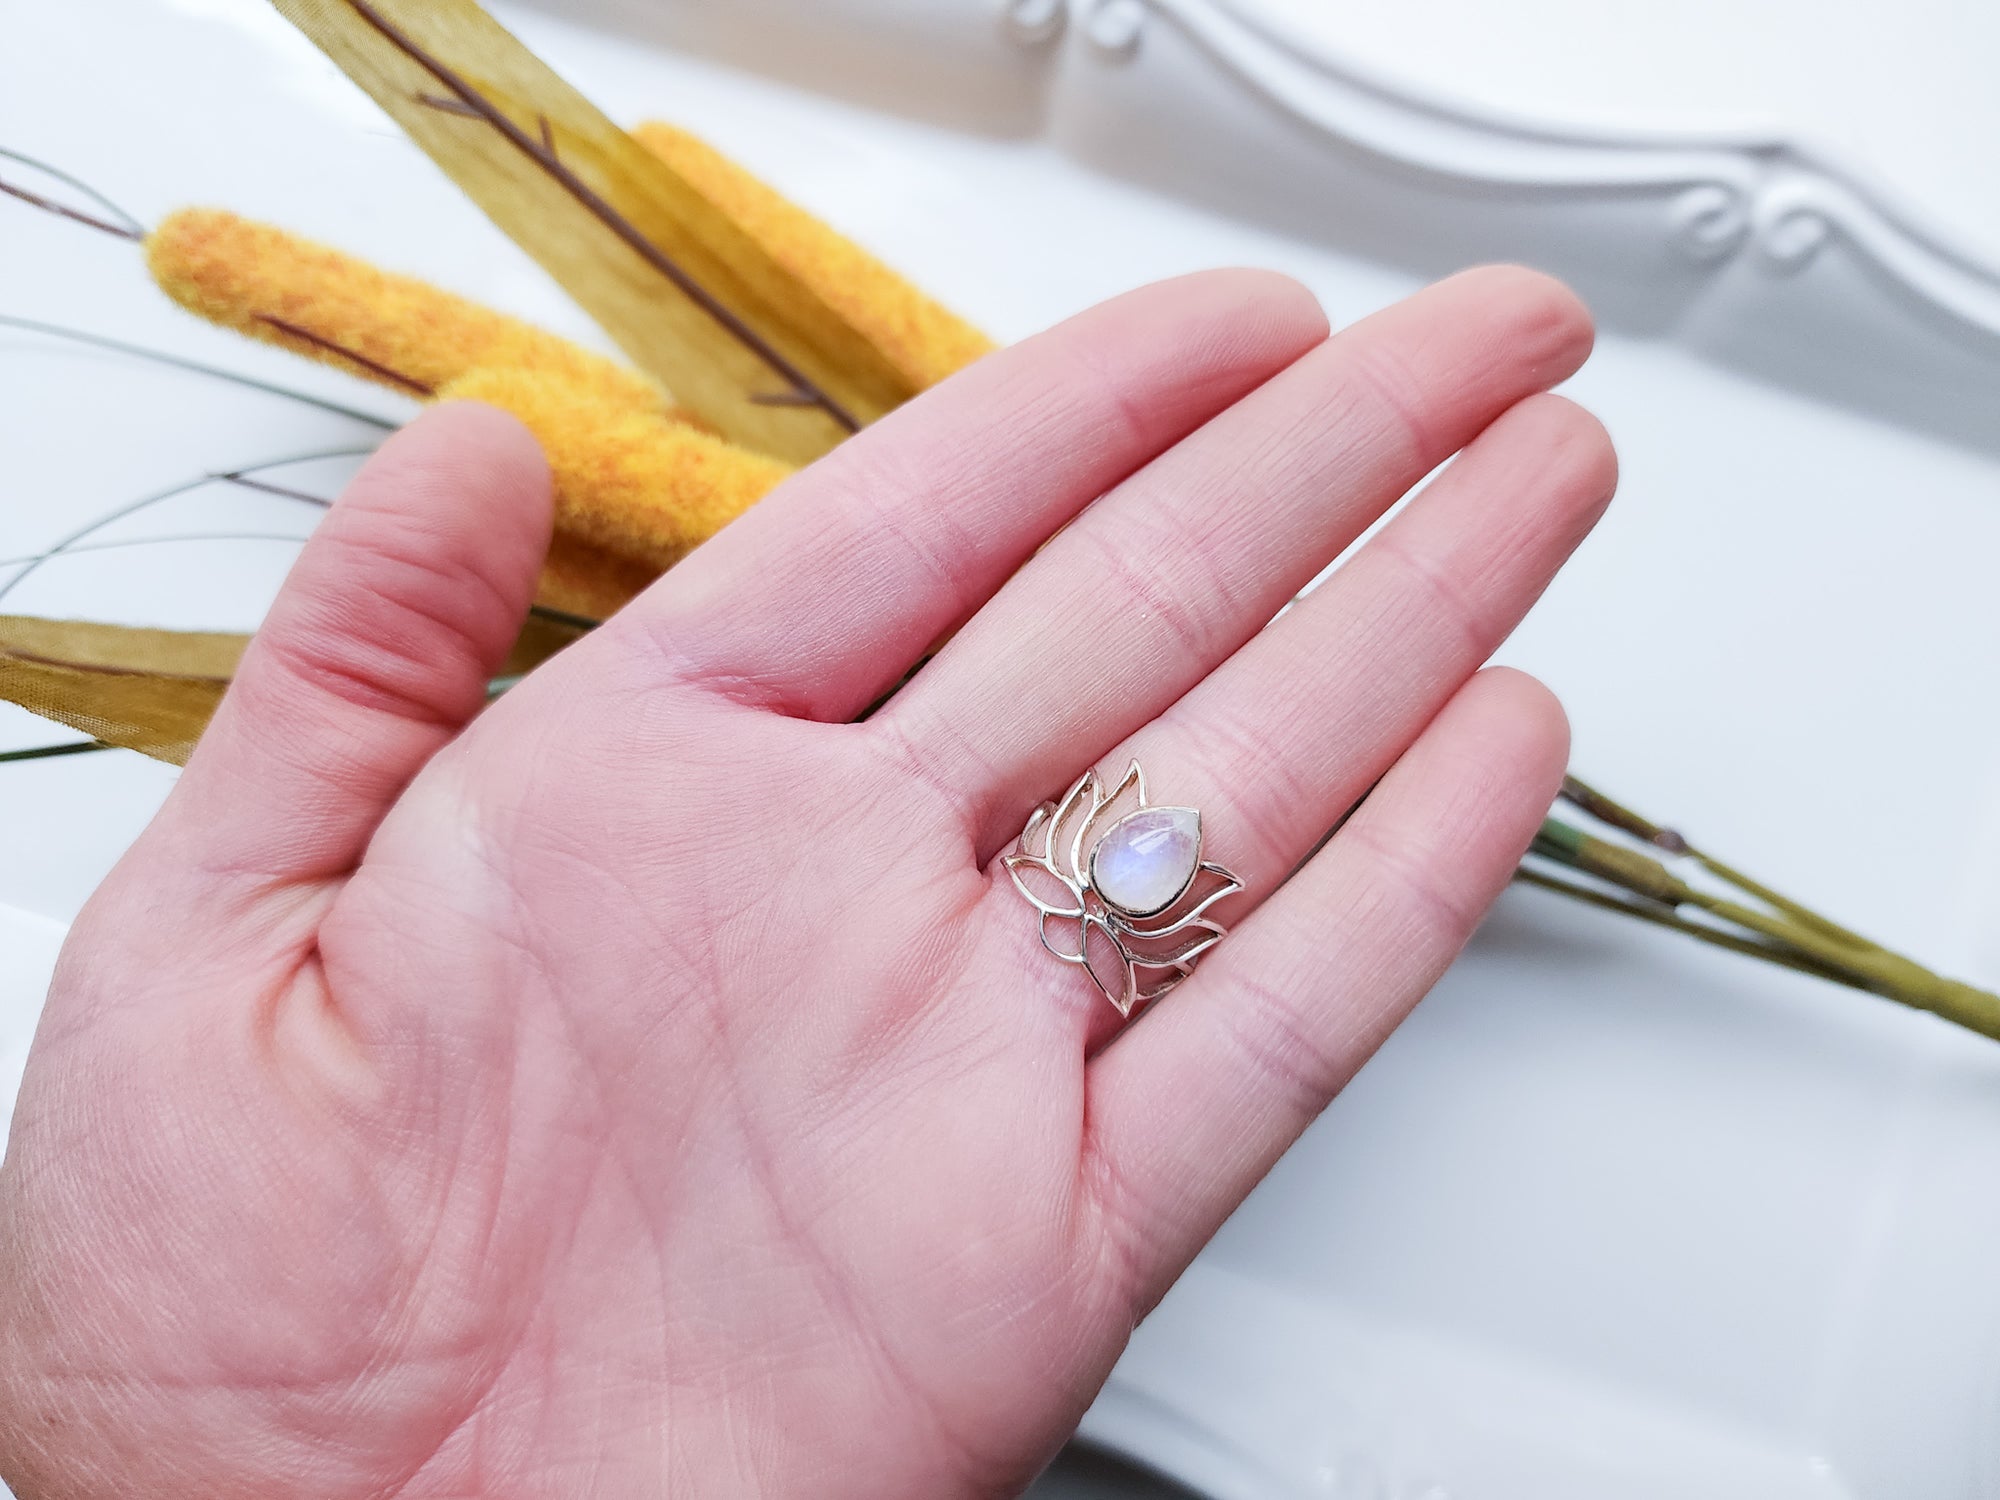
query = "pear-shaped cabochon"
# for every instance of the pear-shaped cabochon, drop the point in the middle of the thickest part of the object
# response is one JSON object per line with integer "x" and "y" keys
{"x": 1146, "y": 859}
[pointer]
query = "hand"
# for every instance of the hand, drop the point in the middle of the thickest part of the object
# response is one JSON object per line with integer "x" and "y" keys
{"x": 655, "y": 1086}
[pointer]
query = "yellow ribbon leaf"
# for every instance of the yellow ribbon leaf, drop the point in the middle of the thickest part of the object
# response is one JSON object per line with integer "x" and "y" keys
{"x": 687, "y": 293}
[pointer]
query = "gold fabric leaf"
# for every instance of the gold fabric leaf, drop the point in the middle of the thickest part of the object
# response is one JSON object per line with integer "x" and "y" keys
{"x": 689, "y": 295}
{"x": 147, "y": 690}
{"x": 541, "y": 637}
{"x": 154, "y": 691}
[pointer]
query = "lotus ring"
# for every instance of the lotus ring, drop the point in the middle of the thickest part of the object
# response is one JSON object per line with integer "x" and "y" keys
{"x": 1121, "y": 886}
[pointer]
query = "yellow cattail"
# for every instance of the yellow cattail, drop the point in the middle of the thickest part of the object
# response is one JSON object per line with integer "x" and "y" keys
{"x": 919, "y": 336}
{"x": 397, "y": 330}
{"x": 637, "y": 485}
{"x": 630, "y": 484}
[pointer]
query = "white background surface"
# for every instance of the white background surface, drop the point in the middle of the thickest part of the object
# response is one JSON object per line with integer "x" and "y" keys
{"x": 1610, "y": 1218}
{"x": 1904, "y": 92}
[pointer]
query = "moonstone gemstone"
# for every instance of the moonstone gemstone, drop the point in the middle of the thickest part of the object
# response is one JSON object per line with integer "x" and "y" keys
{"x": 1146, "y": 859}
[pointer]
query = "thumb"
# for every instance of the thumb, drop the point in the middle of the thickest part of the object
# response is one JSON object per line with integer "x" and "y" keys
{"x": 377, "y": 651}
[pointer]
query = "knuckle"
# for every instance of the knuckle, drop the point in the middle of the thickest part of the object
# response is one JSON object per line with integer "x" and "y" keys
{"x": 1290, "y": 1058}
{"x": 384, "y": 614}
{"x": 1451, "y": 605}
{"x": 1573, "y": 459}
{"x": 878, "y": 500}
{"x": 1229, "y": 753}
{"x": 1389, "y": 394}
{"x": 1127, "y": 1233}
{"x": 1407, "y": 886}
{"x": 1179, "y": 608}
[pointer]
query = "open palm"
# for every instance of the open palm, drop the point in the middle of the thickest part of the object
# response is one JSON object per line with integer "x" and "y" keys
{"x": 657, "y": 1087}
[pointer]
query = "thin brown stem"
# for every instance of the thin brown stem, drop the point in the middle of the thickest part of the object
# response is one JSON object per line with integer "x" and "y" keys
{"x": 449, "y": 105}
{"x": 373, "y": 366}
{"x": 119, "y": 222}
{"x": 563, "y": 617}
{"x": 63, "y": 210}
{"x": 282, "y": 491}
{"x": 156, "y": 498}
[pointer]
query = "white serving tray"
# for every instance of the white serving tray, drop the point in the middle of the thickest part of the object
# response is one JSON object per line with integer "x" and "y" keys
{"x": 1610, "y": 1219}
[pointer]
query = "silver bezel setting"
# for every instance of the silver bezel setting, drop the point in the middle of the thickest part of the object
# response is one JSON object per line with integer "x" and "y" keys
{"x": 1053, "y": 867}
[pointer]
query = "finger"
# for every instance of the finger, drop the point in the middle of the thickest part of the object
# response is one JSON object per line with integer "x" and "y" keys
{"x": 1191, "y": 1107}
{"x": 1282, "y": 739}
{"x": 376, "y": 652}
{"x": 822, "y": 596}
{"x": 1173, "y": 571}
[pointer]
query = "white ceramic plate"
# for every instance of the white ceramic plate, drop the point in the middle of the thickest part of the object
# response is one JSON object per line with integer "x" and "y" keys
{"x": 1610, "y": 1218}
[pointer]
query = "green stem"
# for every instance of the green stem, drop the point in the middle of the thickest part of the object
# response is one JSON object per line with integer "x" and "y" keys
{"x": 1789, "y": 933}
{"x": 1579, "y": 793}
{"x": 1673, "y": 921}
{"x": 1785, "y": 904}
{"x": 50, "y": 752}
